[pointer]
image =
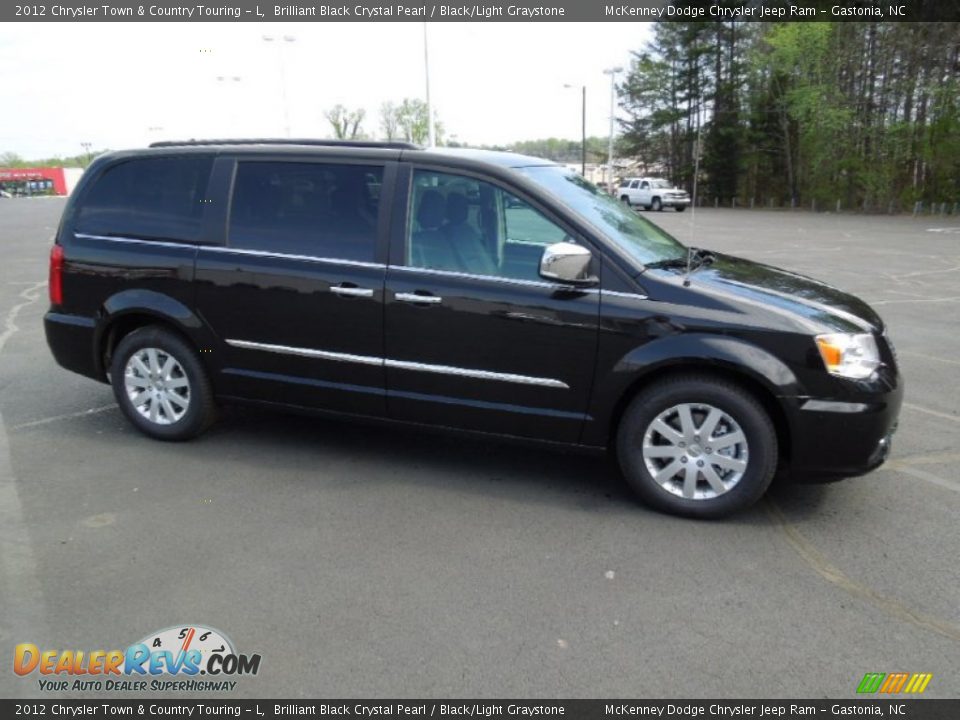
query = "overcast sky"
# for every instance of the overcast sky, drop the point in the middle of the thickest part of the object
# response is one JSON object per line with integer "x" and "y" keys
{"x": 120, "y": 85}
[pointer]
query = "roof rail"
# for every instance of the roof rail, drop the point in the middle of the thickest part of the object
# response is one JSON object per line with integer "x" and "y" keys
{"x": 290, "y": 141}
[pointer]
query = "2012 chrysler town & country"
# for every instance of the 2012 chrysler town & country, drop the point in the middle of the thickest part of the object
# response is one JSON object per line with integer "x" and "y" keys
{"x": 475, "y": 290}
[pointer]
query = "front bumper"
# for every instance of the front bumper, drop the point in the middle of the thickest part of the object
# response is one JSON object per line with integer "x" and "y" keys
{"x": 833, "y": 439}
{"x": 675, "y": 202}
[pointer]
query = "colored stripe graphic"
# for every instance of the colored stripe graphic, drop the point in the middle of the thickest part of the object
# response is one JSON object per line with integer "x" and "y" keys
{"x": 871, "y": 682}
{"x": 918, "y": 683}
{"x": 894, "y": 683}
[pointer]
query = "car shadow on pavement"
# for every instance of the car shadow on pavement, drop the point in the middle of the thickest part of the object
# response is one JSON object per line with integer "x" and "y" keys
{"x": 494, "y": 466}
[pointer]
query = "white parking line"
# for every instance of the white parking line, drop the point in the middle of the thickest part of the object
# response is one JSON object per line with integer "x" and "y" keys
{"x": 928, "y": 411}
{"x": 910, "y": 302}
{"x": 927, "y": 357}
{"x": 66, "y": 416}
{"x": 923, "y": 475}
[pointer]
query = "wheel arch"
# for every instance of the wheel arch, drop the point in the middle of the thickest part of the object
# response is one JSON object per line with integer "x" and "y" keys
{"x": 758, "y": 389}
{"x": 127, "y": 311}
{"x": 734, "y": 359}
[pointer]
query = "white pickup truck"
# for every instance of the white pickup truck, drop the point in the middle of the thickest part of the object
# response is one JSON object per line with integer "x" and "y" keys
{"x": 653, "y": 194}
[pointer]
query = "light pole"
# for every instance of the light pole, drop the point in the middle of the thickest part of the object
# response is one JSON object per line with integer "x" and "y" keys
{"x": 283, "y": 80}
{"x": 583, "y": 129}
{"x": 612, "y": 72}
{"x": 86, "y": 148}
{"x": 235, "y": 79}
{"x": 431, "y": 137}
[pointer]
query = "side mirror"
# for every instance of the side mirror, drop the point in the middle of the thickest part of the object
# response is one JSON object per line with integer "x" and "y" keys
{"x": 567, "y": 263}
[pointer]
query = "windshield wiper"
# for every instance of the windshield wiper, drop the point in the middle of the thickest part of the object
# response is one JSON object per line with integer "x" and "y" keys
{"x": 696, "y": 258}
{"x": 668, "y": 263}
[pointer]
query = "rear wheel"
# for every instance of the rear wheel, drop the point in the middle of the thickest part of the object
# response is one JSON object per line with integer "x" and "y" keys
{"x": 697, "y": 446}
{"x": 625, "y": 199}
{"x": 161, "y": 385}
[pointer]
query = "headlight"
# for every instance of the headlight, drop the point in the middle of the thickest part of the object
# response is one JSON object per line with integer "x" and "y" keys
{"x": 850, "y": 356}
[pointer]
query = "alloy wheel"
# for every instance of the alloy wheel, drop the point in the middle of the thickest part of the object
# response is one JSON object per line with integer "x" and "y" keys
{"x": 695, "y": 451}
{"x": 157, "y": 385}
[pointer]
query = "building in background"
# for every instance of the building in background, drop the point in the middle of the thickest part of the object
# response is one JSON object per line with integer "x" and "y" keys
{"x": 25, "y": 182}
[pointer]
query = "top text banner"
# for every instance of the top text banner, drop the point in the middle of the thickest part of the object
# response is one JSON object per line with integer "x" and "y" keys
{"x": 557, "y": 11}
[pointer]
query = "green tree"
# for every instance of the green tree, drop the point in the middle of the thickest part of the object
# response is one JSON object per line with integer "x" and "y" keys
{"x": 408, "y": 121}
{"x": 11, "y": 159}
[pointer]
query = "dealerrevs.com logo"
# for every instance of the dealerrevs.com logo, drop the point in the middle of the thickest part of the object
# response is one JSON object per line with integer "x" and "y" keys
{"x": 173, "y": 659}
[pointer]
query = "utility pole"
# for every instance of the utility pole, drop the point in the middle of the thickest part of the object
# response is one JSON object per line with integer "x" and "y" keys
{"x": 432, "y": 139}
{"x": 583, "y": 128}
{"x": 612, "y": 72}
{"x": 283, "y": 79}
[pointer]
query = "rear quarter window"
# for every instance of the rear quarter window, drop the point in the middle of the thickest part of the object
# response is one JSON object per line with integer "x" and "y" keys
{"x": 147, "y": 198}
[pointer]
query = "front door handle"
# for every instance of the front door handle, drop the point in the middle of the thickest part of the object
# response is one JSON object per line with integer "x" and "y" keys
{"x": 418, "y": 298}
{"x": 351, "y": 291}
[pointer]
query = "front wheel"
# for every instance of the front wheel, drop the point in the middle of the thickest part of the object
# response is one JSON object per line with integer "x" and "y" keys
{"x": 657, "y": 205}
{"x": 161, "y": 385}
{"x": 680, "y": 208}
{"x": 697, "y": 446}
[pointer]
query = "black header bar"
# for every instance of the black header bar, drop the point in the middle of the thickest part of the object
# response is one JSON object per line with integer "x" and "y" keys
{"x": 512, "y": 11}
{"x": 895, "y": 707}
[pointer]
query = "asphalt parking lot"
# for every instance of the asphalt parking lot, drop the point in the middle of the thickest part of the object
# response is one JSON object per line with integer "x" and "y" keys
{"x": 372, "y": 562}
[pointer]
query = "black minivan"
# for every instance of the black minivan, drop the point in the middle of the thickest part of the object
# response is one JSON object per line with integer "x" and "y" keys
{"x": 476, "y": 290}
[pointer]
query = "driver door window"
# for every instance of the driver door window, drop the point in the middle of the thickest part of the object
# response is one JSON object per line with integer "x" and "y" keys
{"x": 464, "y": 225}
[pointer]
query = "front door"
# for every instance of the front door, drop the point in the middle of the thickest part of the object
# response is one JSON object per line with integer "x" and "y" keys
{"x": 475, "y": 338}
{"x": 295, "y": 296}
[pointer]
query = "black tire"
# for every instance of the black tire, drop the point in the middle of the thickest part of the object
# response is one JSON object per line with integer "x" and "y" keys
{"x": 700, "y": 391}
{"x": 648, "y": 207}
{"x": 656, "y": 204}
{"x": 196, "y": 394}
{"x": 680, "y": 208}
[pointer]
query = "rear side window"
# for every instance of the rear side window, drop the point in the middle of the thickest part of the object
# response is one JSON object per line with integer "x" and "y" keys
{"x": 148, "y": 198}
{"x": 315, "y": 209}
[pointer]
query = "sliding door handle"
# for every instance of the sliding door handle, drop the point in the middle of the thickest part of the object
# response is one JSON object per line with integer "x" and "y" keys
{"x": 417, "y": 298}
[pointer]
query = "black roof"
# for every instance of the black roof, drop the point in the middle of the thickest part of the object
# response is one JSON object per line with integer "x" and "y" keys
{"x": 407, "y": 151}
{"x": 287, "y": 141}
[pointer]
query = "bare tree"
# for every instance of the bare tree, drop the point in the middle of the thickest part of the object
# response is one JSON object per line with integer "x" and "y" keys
{"x": 345, "y": 123}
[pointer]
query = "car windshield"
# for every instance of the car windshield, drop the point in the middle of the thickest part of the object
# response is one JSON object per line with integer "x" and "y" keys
{"x": 660, "y": 184}
{"x": 640, "y": 239}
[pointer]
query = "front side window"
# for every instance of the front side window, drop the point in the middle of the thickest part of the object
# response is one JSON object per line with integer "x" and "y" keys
{"x": 461, "y": 224}
{"x": 312, "y": 209}
{"x": 148, "y": 198}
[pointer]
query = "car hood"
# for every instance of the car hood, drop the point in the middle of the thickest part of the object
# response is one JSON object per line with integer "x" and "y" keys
{"x": 809, "y": 303}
